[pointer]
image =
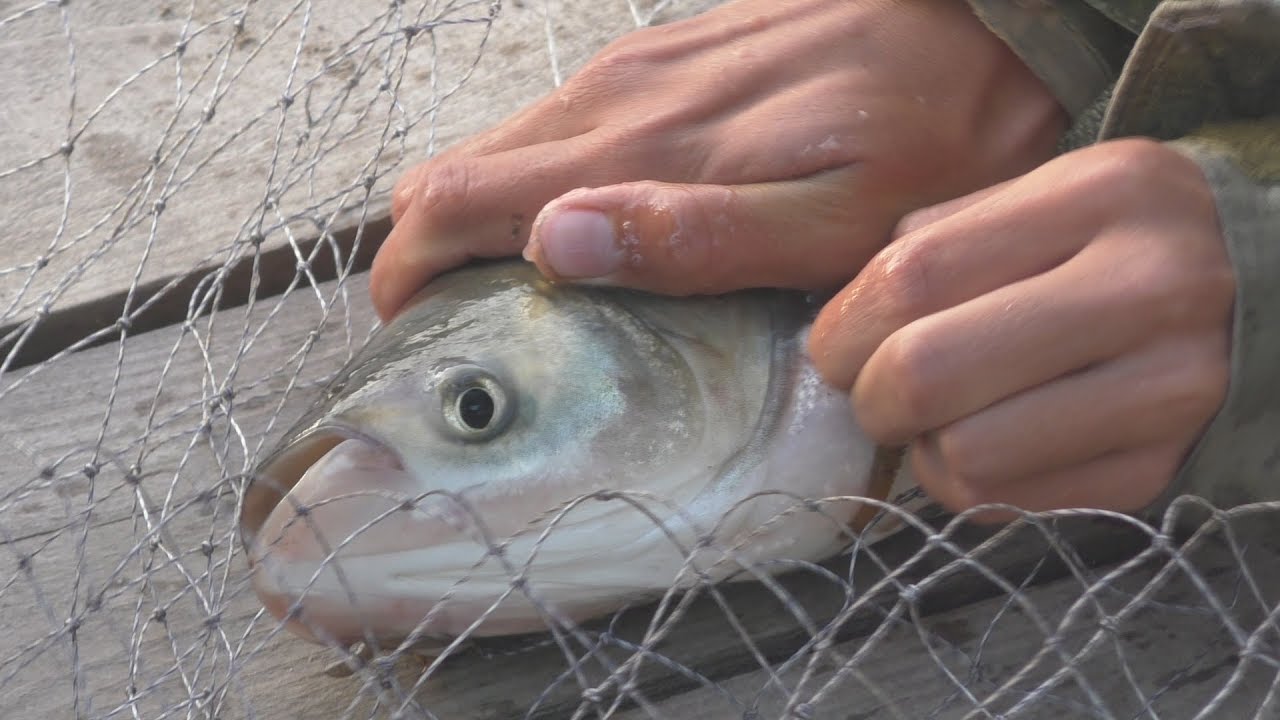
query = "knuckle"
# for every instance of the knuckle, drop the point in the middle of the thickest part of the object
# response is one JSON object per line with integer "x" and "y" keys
{"x": 961, "y": 458}
{"x": 907, "y": 392}
{"x": 403, "y": 192}
{"x": 902, "y": 278}
{"x": 444, "y": 189}
{"x": 909, "y": 224}
{"x": 625, "y": 57}
{"x": 1131, "y": 170}
{"x": 1134, "y": 164}
{"x": 681, "y": 234}
{"x": 950, "y": 491}
{"x": 1175, "y": 290}
{"x": 1200, "y": 392}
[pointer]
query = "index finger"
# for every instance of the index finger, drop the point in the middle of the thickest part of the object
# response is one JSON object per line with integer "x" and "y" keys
{"x": 945, "y": 256}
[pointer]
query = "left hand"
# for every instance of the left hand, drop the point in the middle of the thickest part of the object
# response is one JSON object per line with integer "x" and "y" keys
{"x": 1059, "y": 340}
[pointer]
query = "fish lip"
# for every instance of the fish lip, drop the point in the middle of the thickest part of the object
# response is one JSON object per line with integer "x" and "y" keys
{"x": 273, "y": 478}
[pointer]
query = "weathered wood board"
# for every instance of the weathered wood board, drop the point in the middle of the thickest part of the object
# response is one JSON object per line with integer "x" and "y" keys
{"x": 178, "y": 144}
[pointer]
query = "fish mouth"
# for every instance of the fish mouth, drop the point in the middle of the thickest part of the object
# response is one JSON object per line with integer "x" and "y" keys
{"x": 318, "y": 502}
{"x": 275, "y": 477}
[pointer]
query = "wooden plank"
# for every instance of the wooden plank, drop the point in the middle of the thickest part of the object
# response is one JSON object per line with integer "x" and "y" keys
{"x": 153, "y": 167}
{"x": 104, "y": 555}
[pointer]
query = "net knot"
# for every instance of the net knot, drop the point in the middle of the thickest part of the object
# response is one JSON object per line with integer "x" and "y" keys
{"x": 593, "y": 695}
{"x": 910, "y": 594}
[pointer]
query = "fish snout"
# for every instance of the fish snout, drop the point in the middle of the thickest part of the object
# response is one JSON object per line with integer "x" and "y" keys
{"x": 326, "y": 553}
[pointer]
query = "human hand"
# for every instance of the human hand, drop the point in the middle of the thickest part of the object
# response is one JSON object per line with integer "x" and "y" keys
{"x": 775, "y": 144}
{"x": 1060, "y": 340}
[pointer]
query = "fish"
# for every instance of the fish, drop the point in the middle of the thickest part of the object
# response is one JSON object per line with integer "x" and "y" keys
{"x": 509, "y": 452}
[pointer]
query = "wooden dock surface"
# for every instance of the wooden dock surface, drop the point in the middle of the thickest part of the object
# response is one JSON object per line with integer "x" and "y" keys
{"x": 190, "y": 204}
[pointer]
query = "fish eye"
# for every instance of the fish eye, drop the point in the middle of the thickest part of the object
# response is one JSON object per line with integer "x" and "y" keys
{"x": 475, "y": 405}
{"x": 475, "y": 408}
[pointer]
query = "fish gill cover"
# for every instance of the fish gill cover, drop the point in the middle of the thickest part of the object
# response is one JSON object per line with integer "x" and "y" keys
{"x": 190, "y": 194}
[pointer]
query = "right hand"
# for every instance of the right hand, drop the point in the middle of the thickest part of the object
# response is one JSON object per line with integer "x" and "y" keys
{"x": 759, "y": 144}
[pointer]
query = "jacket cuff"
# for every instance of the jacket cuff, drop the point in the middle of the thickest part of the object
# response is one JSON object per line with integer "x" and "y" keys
{"x": 1075, "y": 50}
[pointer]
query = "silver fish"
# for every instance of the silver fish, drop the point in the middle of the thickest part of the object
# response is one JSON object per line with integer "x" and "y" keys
{"x": 508, "y": 450}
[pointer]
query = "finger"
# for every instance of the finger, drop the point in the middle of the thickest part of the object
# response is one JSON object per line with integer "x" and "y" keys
{"x": 546, "y": 121}
{"x": 691, "y": 239}
{"x": 482, "y": 207}
{"x": 1110, "y": 298}
{"x": 1123, "y": 481}
{"x": 976, "y": 244}
{"x": 1140, "y": 399}
{"x": 918, "y": 220}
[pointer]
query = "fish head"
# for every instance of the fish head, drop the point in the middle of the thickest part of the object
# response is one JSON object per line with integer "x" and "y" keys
{"x": 493, "y": 401}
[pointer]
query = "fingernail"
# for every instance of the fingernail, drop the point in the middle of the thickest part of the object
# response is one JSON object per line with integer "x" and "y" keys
{"x": 577, "y": 244}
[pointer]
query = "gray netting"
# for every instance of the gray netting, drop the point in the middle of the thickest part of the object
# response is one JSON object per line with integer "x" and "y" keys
{"x": 189, "y": 192}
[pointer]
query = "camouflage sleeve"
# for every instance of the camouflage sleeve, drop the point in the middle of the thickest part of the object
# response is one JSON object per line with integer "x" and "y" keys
{"x": 1237, "y": 460}
{"x": 1204, "y": 76}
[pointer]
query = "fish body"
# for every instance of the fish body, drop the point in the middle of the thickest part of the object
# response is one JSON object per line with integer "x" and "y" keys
{"x": 507, "y": 451}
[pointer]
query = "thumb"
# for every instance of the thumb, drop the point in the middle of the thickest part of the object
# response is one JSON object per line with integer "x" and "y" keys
{"x": 683, "y": 239}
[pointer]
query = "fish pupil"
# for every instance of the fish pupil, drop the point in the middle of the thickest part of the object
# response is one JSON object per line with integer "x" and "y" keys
{"x": 475, "y": 407}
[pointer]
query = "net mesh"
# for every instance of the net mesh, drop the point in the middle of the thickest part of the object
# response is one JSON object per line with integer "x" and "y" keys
{"x": 190, "y": 192}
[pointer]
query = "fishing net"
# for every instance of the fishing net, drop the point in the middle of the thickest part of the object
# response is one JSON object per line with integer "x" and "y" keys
{"x": 190, "y": 192}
